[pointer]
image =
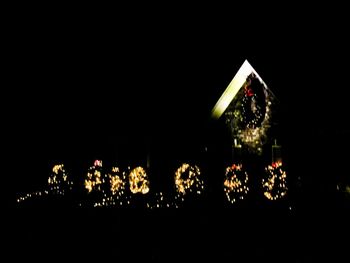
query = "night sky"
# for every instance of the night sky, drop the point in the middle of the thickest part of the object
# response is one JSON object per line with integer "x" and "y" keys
{"x": 80, "y": 92}
{"x": 85, "y": 92}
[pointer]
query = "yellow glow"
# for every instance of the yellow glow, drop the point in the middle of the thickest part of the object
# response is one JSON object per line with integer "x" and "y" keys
{"x": 235, "y": 187}
{"x": 347, "y": 189}
{"x": 116, "y": 184}
{"x": 232, "y": 89}
{"x": 272, "y": 190}
{"x": 138, "y": 181}
{"x": 187, "y": 179}
{"x": 94, "y": 177}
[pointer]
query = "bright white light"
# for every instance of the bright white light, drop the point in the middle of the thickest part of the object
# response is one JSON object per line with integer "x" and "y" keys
{"x": 232, "y": 89}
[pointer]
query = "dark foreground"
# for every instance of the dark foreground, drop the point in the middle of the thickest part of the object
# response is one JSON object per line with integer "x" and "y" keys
{"x": 278, "y": 232}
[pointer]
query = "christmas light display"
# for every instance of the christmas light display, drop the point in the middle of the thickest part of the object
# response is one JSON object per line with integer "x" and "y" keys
{"x": 117, "y": 181}
{"x": 31, "y": 195}
{"x": 117, "y": 191}
{"x": 58, "y": 184}
{"x": 112, "y": 188}
{"x": 161, "y": 200}
{"x": 58, "y": 181}
{"x": 94, "y": 177}
{"x": 274, "y": 185}
{"x": 158, "y": 201}
{"x": 249, "y": 115}
{"x": 138, "y": 181}
{"x": 187, "y": 179}
{"x": 235, "y": 184}
{"x": 113, "y": 201}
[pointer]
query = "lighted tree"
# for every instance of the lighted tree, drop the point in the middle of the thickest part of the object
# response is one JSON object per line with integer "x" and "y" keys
{"x": 95, "y": 178}
{"x": 58, "y": 181}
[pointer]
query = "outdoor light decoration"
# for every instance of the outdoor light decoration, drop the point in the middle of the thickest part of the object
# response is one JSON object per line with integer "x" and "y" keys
{"x": 31, "y": 195}
{"x": 117, "y": 193}
{"x": 247, "y": 105}
{"x": 274, "y": 185}
{"x": 114, "y": 201}
{"x": 58, "y": 181}
{"x": 160, "y": 201}
{"x": 58, "y": 184}
{"x": 94, "y": 177}
{"x": 117, "y": 181}
{"x": 187, "y": 179}
{"x": 235, "y": 184}
{"x": 232, "y": 89}
{"x": 249, "y": 115}
{"x": 138, "y": 181}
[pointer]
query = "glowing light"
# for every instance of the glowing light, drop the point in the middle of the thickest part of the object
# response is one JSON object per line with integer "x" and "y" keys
{"x": 94, "y": 177}
{"x": 98, "y": 163}
{"x": 58, "y": 184}
{"x": 347, "y": 189}
{"x": 159, "y": 201}
{"x": 117, "y": 181}
{"x": 187, "y": 179}
{"x": 235, "y": 184}
{"x": 247, "y": 103}
{"x": 58, "y": 181}
{"x": 249, "y": 116}
{"x": 31, "y": 195}
{"x": 116, "y": 195}
{"x": 112, "y": 185}
{"x": 138, "y": 181}
{"x": 274, "y": 185}
{"x": 232, "y": 89}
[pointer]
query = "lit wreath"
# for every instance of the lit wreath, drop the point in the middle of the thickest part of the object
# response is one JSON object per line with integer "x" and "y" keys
{"x": 138, "y": 181}
{"x": 117, "y": 194}
{"x": 249, "y": 116}
{"x": 235, "y": 184}
{"x": 274, "y": 185}
{"x": 187, "y": 179}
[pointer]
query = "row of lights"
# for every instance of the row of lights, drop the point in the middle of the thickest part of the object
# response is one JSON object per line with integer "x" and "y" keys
{"x": 187, "y": 180}
{"x": 57, "y": 184}
{"x": 236, "y": 182}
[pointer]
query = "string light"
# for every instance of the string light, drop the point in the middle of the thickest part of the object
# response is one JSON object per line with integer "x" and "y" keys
{"x": 235, "y": 184}
{"x": 138, "y": 181}
{"x": 274, "y": 185}
{"x": 117, "y": 192}
{"x": 57, "y": 184}
{"x": 94, "y": 177}
{"x": 58, "y": 181}
{"x": 159, "y": 201}
{"x": 187, "y": 179}
{"x": 117, "y": 181}
{"x": 31, "y": 195}
{"x": 248, "y": 120}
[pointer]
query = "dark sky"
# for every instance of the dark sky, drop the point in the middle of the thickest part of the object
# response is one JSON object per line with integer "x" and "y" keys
{"x": 80, "y": 91}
